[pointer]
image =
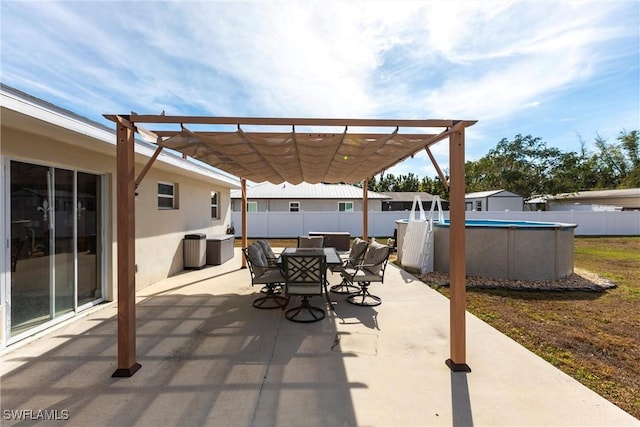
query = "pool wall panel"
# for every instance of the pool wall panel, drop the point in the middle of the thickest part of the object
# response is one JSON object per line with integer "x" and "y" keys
{"x": 521, "y": 253}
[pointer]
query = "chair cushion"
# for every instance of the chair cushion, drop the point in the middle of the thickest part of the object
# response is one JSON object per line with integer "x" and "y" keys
{"x": 360, "y": 275}
{"x": 258, "y": 260}
{"x": 266, "y": 248}
{"x": 375, "y": 257}
{"x": 269, "y": 276}
{"x": 358, "y": 249}
{"x": 256, "y": 256}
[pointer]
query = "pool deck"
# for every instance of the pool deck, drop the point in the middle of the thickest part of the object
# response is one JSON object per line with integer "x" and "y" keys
{"x": 210, "y": 359}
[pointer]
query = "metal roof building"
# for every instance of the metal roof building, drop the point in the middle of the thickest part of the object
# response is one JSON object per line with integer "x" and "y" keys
{"x": 304, "y": 190}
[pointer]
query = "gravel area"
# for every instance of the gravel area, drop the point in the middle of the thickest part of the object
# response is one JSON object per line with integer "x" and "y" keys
{"x": 580, "y": 280}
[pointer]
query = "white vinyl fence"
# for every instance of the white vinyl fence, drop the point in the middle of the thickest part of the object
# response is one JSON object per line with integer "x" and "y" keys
{"x": 383, "y": 224}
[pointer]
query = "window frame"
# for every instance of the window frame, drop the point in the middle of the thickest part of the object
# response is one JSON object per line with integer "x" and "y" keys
{"x": 215, "y": 205}
{"x": 173, "y": 196}
{"x": 252, "y": 206}
{"x": 345, "y": 206}
{"x": 297, "y": 206}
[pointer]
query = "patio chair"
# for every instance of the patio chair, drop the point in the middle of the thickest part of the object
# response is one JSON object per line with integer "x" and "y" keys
{"x": 305, "y": 277}
{"x": 370, "y": 270}
{"x": 310, "y": 241}
{"x": 355, "y": 257}
{"x": 263, "y": 273}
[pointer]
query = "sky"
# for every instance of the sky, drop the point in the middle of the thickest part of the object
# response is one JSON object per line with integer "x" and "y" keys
{"x": 565, "y": 71}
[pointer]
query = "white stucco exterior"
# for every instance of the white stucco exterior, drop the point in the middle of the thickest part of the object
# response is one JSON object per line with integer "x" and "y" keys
{"x": 38, "y": 133}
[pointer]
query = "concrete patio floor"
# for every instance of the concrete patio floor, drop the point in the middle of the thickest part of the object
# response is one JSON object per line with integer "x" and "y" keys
{"x": 210, "y": 359}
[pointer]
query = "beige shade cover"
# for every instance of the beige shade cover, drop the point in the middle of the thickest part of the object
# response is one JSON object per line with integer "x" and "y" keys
{"x": 298, "y": 157}
{"x": 294, "y": 156}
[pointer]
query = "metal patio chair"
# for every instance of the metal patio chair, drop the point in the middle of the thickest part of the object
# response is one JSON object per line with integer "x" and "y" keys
{"x": 305, "y": 276}
{"x": 355, "y": 257}
{"x": 370, "y": 270}
{"x": 264, "y": 273}
{"x": 310, "y": 241}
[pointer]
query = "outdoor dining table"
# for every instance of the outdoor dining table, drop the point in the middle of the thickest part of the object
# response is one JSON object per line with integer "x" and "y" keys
{"x": 331, "y": 254}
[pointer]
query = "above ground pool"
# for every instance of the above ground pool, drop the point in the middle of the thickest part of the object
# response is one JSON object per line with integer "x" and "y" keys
{"x": 520, "y": 250}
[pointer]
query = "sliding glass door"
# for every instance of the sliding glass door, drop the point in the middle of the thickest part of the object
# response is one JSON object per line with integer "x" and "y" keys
{"x": 88, "y": 244}
{"x": 55, "y": 255}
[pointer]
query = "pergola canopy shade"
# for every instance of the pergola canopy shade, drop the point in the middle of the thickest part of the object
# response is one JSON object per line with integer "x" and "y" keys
{"x": 295, "y": 156}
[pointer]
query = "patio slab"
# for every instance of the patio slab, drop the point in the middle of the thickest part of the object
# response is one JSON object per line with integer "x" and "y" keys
{"x": 210, "y": 359}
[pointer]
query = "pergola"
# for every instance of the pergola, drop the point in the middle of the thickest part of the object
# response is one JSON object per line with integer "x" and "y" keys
{"x": 272, "y": 149}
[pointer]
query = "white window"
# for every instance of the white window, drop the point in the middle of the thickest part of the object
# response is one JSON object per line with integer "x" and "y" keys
{"x": 345, "y": 206}
{"x": 294, "y": 206}
{"x": 478, "y": 205}
{"x": 252, "y": 206}
{"x": 214, "y": 205}
{"x": 167, "y": 195}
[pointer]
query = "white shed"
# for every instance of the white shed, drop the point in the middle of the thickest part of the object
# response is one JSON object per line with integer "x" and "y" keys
{"x": 495, "y": 200}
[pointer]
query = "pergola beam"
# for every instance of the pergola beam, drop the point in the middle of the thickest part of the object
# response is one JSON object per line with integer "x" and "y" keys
{"x": 358, "y": 135}
{"x": 272, "y": 121}
{"x": 443, "y": 178}
{"x": 146, "y": 168}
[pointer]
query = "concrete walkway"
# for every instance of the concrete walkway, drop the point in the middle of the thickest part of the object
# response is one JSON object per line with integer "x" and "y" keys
{"x": 210, "y": 359}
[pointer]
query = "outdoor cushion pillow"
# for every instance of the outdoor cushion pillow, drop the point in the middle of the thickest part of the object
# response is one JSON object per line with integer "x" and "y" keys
{"x": 375, "y": 257}
{"x": 256, "y": 256}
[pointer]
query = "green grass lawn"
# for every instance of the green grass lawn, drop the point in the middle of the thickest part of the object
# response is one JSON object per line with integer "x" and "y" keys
{"x": 594, "y": 337}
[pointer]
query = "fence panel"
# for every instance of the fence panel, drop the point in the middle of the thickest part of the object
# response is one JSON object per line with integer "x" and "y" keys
{"x": 383, "y": 224}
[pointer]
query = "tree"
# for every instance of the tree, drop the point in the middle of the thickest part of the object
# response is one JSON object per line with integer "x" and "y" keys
{"x": 524, "y": 166}
{"x": 630, "y": 142}
{"x": 528, "y": 167}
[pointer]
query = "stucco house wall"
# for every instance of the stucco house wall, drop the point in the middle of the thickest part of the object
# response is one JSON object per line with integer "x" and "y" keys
{"x": 38, "y": 133}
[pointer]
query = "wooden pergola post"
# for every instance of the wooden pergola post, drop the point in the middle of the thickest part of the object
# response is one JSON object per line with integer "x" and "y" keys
{"x": 125, "y": 182}
{"x": 243, "y": 206}
{"x": 457, "y": 272}
{"x": 365, "y": 210}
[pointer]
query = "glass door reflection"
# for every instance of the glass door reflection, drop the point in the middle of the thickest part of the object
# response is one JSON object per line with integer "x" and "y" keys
{"x": 55, "y": 243}
{"x": 31, "y": 244}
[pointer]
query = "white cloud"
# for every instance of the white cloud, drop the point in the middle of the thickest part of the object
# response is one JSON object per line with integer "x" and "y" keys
{"x": 486, "y": 60}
